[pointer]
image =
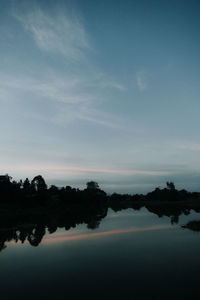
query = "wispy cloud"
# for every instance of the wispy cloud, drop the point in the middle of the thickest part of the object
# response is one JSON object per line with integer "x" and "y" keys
{"x": 68, "y": 95}
{"x": 83, "y": 169}
{"x": 63, "y": 34}
{"x": 77, "y": 90}
{"x": 141, "y": 80}
{"x": 52, "y": 87}
{"x": 195, "y": 147}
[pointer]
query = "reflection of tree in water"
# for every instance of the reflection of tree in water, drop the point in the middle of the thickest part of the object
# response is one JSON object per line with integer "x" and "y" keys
{"x": 193, "y": 225}
{"x": 67, "y": 219}
{"x": 173, "y": 212}
{"x": 6, "y": 235}
{"x": 36, "y": 237}
{"x": 93, "y": 224}
{"x": 66, "y": 207}
{"x": 2, "y": 246}
{"x": 69, "y": 216}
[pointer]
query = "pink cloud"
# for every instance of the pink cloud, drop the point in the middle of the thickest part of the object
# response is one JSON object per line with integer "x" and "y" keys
{"x": 81, "y": 169}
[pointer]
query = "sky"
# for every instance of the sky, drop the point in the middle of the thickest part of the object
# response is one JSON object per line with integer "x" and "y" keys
{"x": 101, "y": 90}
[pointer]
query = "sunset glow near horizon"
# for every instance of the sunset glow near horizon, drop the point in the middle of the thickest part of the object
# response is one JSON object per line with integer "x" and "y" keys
{"x": 101, "y": 90}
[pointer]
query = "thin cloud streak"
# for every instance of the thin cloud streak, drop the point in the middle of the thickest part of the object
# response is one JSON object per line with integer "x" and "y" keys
{"x": 79, "y": 170}
{"x": 190, "y": 147}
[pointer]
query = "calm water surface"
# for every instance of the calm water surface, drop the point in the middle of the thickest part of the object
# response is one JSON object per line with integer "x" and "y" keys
{"x": 131, "y": 255}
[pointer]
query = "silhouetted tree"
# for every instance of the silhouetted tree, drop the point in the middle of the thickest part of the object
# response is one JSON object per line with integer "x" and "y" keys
{"x": 92, "y": 185}
{"x": 5, "y": 178}
{"x": 68, "y": 189}
{"x": 39, "y": 183}
{"x": 5, "y": 182}
{"x": 53, "y": 189}
{"x": 26, "y": 185}
{"x": 170, "y": 186}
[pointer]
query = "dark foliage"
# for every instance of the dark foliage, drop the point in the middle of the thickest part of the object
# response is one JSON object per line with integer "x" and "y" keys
{"x": 193, "y": 225}
{"x": 25, "y": 203}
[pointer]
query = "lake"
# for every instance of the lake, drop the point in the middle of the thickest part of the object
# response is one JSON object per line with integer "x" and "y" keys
{"x": 132, "y": 254}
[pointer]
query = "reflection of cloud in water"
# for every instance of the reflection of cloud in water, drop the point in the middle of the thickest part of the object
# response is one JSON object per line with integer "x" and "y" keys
{"x": 59, "y": 238}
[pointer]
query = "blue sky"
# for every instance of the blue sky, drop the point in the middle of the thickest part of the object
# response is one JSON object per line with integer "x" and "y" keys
{"x": 101, "y": 90}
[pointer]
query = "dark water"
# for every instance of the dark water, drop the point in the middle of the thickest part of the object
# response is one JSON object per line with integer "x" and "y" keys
{"x": 132, "y": 255}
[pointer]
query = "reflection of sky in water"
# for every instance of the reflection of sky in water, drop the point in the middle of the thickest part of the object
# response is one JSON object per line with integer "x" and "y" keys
{"x": 115, "y": 223}
{"x": 57, "y": 237}
{"x": 132, "y": 255}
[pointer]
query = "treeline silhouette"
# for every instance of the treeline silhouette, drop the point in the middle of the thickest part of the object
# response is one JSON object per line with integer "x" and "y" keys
{"x": 29, "y": 208}
{"x": 36, "y": 192}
